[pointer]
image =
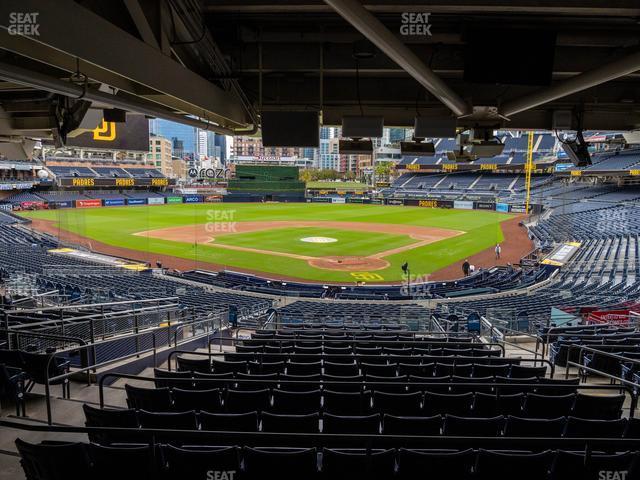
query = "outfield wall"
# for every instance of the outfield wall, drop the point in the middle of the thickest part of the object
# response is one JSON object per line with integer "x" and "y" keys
{"x": 433, "y": 203}
{"x": 256, "y": 197}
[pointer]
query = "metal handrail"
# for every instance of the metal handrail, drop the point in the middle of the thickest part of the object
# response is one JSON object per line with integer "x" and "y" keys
{"x": 87, "y": 305}
{"x": 65, "y": 376}
{"x": 179, "y": 328}
{"x": 545, "y": 337}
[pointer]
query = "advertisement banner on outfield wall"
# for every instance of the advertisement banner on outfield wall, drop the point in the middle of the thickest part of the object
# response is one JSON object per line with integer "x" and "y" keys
{"x": 192, "y": 199}
{"x": 155, "y": 200}
{"x": 395, "y": 201}
{"x": 321, "y": 200}
{"x": 337, "y": 200}
{"x": 114, "y": 202}
{"x": 463, "y": 205}
{"x": 377, "y": 201}
{"x": 88, "y": 203}
{"x": 213, "y": 198}
{"x": 136, "y": 201}
{"x": 174, "y": 199}
{"x": 485, "y": 206}
{"x": 502, "y": 207}
{"x": 445, "y": 203}
{"x": 65, "y": 204}
{"x": 518, "y": 209}
{"x": 355, "y": 200}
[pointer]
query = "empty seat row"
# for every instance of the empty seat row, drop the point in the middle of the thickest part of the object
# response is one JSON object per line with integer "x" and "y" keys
{"x": 373, "y": 424}
{"x": 348, "y": 368}
{"x": 357, "y": 383}
{"x": 411, "y": 403}
{"x": 75, "y": 461}
{"x": 343, "y": 348}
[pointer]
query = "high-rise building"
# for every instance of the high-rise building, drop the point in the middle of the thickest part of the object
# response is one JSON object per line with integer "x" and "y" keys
{"x": 252, "y": 147}
{"x": 186, "y": 134}
{"x": 203, "y": 150}
{"x": 160, "y": 153}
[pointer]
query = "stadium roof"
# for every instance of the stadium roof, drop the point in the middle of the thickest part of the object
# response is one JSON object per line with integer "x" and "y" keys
{"x": 215, "y": 63}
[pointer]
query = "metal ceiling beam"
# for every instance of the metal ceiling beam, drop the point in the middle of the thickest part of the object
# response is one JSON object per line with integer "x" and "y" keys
{"x": 41, "y": 81}
{"x": 142, "y": 23}
{"x": 361, "y": 19}
{"x": 598, "y": 8}
{"x": 75, "y": 30}
{"x": 597, "y": 76}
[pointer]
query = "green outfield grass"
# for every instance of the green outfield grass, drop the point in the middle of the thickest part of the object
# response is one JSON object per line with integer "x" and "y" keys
{"x": 117, "y": 226}
{"x": 288, "y": 240}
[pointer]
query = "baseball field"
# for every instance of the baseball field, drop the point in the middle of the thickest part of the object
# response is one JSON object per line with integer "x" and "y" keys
{"x": 317, "y": 242}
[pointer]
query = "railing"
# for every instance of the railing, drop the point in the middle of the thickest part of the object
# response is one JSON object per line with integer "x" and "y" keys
{"x": 154, "y": 334}
{"x": 208, "y": 324}
{"x": 557, "y": 331}
{"x": 96, "y": 326}
{"x": 582, "y": 348}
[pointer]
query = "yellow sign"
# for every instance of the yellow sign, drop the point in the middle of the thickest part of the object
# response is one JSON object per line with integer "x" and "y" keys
{"x": 105, "y": 132}
{"x": 83, "y": 182}
{"x": 449, "y": 166}
{"x": 159, "y": 182}
{"x": 428, "y": 203}
{"x": 367, "y": 276}
{"x": 634, "y": 172}
{"x": 413, "y": 166}
{"x": 576, "y": 173}
{"x": 555, "y": 263}
{"x": 488, "y": 166}
{"x": 125, "y": 182}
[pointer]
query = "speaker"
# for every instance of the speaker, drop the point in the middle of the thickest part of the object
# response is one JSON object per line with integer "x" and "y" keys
{"x": 509, "y": 56}
{"x": 290, "y": 129}
{"x": 114, "y": 115}
{"x": 434, "y": 127}
{"x": 354, "y": 126}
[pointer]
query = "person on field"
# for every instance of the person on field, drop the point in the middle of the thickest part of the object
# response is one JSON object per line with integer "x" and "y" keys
{"x": 465, "y": 268}
{"x": 498, "y": 251}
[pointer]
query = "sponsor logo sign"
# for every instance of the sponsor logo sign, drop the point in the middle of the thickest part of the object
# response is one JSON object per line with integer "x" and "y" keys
{"x": 155, "y": 200}
{"x": 92, "y": 203}
{"x": 485, "y": 205}
{"x": 136, "y": 201}
{"x": 463, "y": 204}
{"x": 502, "y": 207}
{"x": 518, "y": 208}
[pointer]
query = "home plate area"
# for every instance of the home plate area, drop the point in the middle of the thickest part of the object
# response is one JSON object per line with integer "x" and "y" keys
{"x": 422, "y": 236}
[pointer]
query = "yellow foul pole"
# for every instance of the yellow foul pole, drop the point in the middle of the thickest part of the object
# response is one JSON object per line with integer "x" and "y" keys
{"x": 528, "y": 169}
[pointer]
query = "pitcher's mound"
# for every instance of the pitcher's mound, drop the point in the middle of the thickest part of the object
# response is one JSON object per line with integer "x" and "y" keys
{"x": 349, "y": 264}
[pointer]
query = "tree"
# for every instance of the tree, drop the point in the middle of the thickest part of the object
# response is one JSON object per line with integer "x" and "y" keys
{"x": 384, "y": 169}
